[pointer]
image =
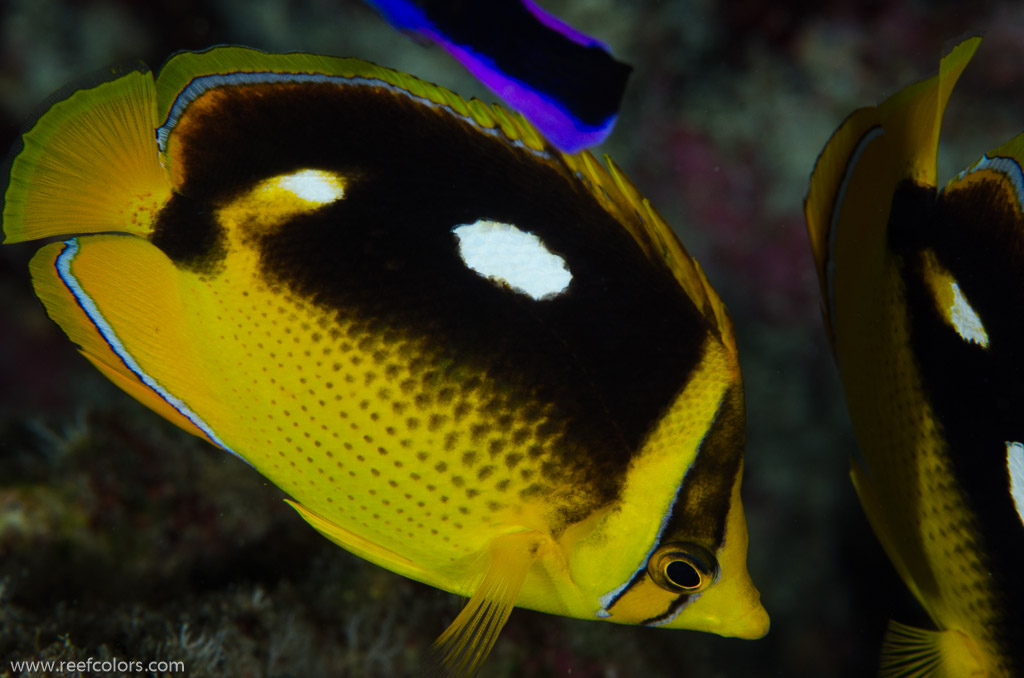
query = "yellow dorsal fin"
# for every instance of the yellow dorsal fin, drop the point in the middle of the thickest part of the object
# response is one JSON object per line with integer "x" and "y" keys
{"x": 184, "y": 67}
{"x": 462, "y": 648}
{"x": 822, "y": 204}
{"x": 89, "y": 165}
{"x": 1014, "y": 148}
{"x": 913, "y": 573}
{"x": 910, "y": 652}
{"x": 912, "y": 118}
{"x": 622, "y": 200}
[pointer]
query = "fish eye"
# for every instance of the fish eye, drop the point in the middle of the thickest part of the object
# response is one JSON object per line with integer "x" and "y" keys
{"x": 683, "y": 567}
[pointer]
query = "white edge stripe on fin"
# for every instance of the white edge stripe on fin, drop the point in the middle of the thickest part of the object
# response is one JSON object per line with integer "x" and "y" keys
{"x": 1008, "y": 167}
{"x": 85, "y": 302}
{"x": 201, "y": 84}
{"x": 837, "y": 208}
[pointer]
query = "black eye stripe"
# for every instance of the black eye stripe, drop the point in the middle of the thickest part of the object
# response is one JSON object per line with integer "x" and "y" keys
{"x": 671, "y": 611}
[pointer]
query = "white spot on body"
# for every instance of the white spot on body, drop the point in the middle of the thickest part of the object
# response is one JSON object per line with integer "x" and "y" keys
{"x": 315, "y": 186}
{"x": 1015, "y": 467}
{"x": 510, "y": 256}
{"x": 965, "y": 319}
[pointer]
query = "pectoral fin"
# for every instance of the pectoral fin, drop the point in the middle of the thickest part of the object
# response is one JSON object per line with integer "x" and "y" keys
{"x": 462, "y": 648}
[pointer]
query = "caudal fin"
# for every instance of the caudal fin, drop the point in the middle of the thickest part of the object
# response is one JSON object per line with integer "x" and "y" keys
{"x": 89, "y": 165}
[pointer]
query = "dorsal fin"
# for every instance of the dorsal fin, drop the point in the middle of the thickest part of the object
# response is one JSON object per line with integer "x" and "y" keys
{"x": 188, "y": 74}
{"x": 621, "y": 199}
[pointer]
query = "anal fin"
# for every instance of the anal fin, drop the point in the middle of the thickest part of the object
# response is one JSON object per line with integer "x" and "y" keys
{"x": 909, "y": 652}
{"x": 353, "y": 543}
{"x": 909, "y": 562}
{"x": 462, "y": 648}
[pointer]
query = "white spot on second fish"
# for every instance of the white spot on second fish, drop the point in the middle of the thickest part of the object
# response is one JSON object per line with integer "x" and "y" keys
{"x": 316, "y": 186}
{"x": 965, "y": 319}
{"x": 507, "y": 255}
{"x": 1015, "y": 467}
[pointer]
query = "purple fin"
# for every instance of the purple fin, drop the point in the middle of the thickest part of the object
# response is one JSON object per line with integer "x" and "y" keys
{"x": 564, "y": 81}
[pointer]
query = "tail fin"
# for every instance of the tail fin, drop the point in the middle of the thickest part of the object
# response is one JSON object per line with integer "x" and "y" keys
{"x": 89, "y": 165}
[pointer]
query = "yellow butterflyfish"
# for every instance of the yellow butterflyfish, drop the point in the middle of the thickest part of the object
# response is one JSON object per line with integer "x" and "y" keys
{"x": 466, "y": 356}
{"x": 922, "y": 294}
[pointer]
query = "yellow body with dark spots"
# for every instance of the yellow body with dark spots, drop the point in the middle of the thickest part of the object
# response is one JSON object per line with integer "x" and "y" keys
{"x": 310, "y": 268}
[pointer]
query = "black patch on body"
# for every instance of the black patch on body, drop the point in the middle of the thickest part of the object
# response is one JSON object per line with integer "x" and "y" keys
{"x": 611, "y": 354}
{"x": 702, "y": 505}
{"x": 188, "y": 232}
{"x": 977, "y": 394}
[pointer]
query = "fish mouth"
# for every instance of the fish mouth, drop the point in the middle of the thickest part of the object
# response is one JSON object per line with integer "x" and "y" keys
{"x": 751, "y": 625}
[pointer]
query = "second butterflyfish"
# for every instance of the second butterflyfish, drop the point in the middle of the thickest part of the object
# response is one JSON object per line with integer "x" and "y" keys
{"x": 923, "y": 292}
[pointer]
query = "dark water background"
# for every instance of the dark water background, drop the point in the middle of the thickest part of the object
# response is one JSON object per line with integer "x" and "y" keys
{"x": 121, "y": 536}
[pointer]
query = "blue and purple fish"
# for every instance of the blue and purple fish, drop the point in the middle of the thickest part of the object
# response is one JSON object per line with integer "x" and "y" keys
{"x": 564, "y": 81}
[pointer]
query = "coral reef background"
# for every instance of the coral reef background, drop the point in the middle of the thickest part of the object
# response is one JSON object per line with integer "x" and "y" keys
{"x": 121, "y": 536}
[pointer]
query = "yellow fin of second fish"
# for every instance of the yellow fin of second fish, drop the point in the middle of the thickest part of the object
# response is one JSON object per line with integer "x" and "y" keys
{"x": 909, "y": 652}
{"x": 912, "y": 118}
{"x": 467, "y": 641}
{"x": 89, "y": 165}
{"x": 872, "y": 505}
